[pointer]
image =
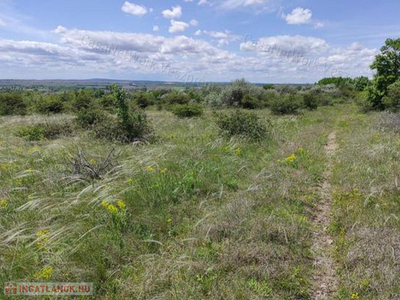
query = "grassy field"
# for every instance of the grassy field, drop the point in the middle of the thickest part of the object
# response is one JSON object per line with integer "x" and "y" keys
{"x": 198, "y": 216}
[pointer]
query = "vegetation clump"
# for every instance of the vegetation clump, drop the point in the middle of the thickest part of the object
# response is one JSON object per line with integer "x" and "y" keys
{"x": 240, "y": 123}
{"x": 12, "y": 103}
{"x": 187, "y": 110}
{"x": 286, "y": 104}
{"x": 46, "y": 131}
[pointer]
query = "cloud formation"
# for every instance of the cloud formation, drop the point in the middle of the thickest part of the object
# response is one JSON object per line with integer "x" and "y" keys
{"x": 178, "y": 26}
{"x": 134, "y": 9}
{"x": 299, "y": 16}
{"x": 174, "y": 13}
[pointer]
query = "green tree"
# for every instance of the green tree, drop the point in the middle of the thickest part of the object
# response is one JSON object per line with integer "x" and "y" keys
{"x": 392, "y": 100}
{"x": 387, "y": 66}
{"x": 361, "y": 83}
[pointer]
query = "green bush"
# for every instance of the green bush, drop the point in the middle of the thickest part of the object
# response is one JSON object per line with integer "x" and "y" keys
{"x": 240, "y": 93}
{"x": 286, "y": 104}
{"x": 142, "y": 99}
{"x": 187, "y": 110}
{"x": 361, "y": 83}
{"x": 50, "y": 105}
{"x": 46, "y": 131}
{"x": 88, "y": 117}
{"x": 240, "y": 123}
{"x": 175, "y": 97}
{"x": 249, "y": 102}
{"x": 392, "y": 100}
{"x": 12, "y": 103}
{"x": 213, "y": 99}
{"x": 84, "y": 99}
{"x": 310, "y": 101}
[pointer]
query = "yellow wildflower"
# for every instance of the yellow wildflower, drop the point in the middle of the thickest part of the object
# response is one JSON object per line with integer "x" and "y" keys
{"x": 42, "y": 237}
{"x": 112, "y": 208}
{"x": 121, "y": 204}
{"x": 105, "y": 204}
{"x": 92, "y": 161}
{"x": 150, "y": 169}
{"x": 300, "y": 150}
{"x": 46, "y": 273}
{"x": 290, "y": 158}
{"x": 303, "y": 219}
{"x": 3, "y": 202}
{"x": 238, "y": 151}
{"x": 42, "y": 232}
{"x": 169, "y": 220}
{"x": 130, "y": 181}
{"x": 163, "y": 170}
{"x": 355, "y": 296}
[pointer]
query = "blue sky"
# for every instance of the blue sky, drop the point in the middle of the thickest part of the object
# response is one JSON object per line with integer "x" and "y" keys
{"x": 275, "y": 41}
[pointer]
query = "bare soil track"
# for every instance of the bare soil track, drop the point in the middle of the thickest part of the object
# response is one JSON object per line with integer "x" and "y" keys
{"x": 324, "y": 279}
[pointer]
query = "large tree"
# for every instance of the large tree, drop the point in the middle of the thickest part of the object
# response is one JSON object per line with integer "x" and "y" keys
{"x": 387, "y": 66}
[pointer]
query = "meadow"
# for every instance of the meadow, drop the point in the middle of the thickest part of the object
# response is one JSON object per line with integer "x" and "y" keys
{"x": 200, "y": 212}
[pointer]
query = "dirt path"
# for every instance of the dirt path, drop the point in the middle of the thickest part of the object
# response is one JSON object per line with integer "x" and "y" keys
{"x": 324, "y": 279}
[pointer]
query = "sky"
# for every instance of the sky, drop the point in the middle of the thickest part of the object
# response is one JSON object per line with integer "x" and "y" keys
{"x": 263, "y": 41}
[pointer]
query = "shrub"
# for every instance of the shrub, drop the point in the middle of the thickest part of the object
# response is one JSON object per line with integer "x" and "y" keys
{"x": 242, "y": 94}
{"x": 213, "y": 99}
{"x": 240, "y": 123}
{"x": 249, "y": 102}
{"x": 269, "y": 87}
{"x": 88, "y": 117}
{"x": 142, "y": 99}
{"x": 50, "y": 105}
{"x": 130, "y": 124}
{"x": 310, "y": 101}
{"x": 392, "y": 100}
{"x": 83, "y": 100}
{"x": 12, "y": 103}
{"x": 187, "y": 110}
{"x": 232, "y": 95}
{"x": 47, "y": 131}
{"x": 175, "y": 97}
{"x": 286, "y": 104}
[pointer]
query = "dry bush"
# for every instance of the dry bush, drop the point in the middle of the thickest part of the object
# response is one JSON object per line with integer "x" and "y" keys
{"x": 90, "y": 169}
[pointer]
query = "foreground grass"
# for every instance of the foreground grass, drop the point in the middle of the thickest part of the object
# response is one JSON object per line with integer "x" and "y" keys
{"x": 201, "y": 217}
{"x": 366, "y": 204}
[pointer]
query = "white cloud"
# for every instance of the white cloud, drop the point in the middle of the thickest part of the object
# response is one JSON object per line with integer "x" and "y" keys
{"x": 134, "y": 9}
{"x": 198, "y": 32}
{"x": 156, "y": 28}
{"x": 188, "y": 0}
{"x": 299, "y": 16}
{"x": 194, "y": 22}
{"x": 79, "y": 52}
{"x": 224, "y": 37}
{"x": 60, "y": 29}
{"x": 203, "y": 2}
{"x": 174, "y": 13}
{"x": 2, "y": 23}
{"x": 178, "y": 26}
{"x": 319, "y": 25}
{"x": 263, "y": 5}
{"x": 297, "y": 43}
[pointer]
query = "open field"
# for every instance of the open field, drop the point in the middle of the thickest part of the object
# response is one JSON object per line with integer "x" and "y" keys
{"x": 198, "y": 216}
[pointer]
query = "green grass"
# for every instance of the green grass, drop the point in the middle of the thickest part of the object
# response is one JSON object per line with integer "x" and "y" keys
{"x": 206, "y": 217}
